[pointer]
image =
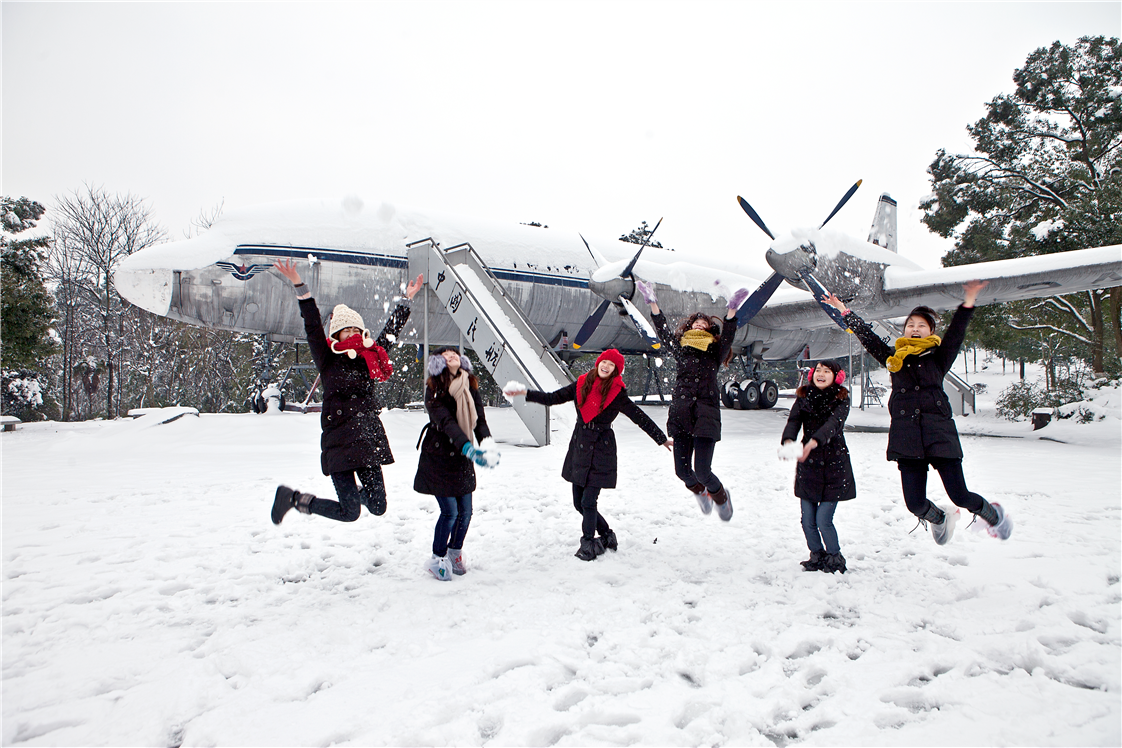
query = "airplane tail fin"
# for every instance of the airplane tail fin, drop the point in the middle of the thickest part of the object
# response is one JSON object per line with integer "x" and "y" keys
{"x": 883, "y": 230}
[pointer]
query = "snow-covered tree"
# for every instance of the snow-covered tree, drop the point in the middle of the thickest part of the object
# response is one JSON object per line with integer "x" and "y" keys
{"x": 1045, "y": 176}
{"x": 27, "y": 313}
{"x": 93, "y": 232}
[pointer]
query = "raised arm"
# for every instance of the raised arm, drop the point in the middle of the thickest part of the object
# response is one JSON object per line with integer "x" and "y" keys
{"x": 400, "y": 314}
{"x": 956, "y": 330}
{"x": 876, "y": 347}
{"x": 313, "y": 323}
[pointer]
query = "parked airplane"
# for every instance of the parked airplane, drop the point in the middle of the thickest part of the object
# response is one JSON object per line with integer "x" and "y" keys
{"x": 357, "y": 254}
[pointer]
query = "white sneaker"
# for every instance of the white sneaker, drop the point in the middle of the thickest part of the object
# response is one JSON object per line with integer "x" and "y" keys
{"x": 439, "y": 568}
{"x": 942, "y": 532}
{"x": 1004, "y": 527}
{"x": 704, "y": 502}
{"x": 456, "y": 562}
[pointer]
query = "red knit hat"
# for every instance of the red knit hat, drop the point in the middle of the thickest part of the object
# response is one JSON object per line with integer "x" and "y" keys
{"x": 615, "y": 357}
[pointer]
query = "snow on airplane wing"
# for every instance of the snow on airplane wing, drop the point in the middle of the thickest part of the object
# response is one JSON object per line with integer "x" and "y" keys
{"x": 1009, "y": 280}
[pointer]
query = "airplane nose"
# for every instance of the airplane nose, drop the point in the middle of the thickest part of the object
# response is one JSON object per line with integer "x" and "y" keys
{"x": 147, "y": 288}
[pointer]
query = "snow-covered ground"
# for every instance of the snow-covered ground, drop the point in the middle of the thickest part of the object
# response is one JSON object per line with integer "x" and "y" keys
{"x": 148, "y": 600}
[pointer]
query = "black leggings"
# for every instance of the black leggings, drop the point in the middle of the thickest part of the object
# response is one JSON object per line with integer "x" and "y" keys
{"x": 584, "y": 501}
{"x": 913, "y": 479}
{"x": 699, "y": 451}
{"x": 351, "y": 497}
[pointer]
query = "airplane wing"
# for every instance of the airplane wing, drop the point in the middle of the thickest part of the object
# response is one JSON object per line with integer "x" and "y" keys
{"x": 1009, "y": 280}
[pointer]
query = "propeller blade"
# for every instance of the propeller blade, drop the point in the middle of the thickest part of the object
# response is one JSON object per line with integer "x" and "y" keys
{"x": 842, "y": 202}
{"x": 647, "y": 238}
{"x": 821, "y": 293}
{"x": 754, "y": 303}
{"x": 596, "y": 256}
{"x": 754, "y": 216}
{"x": 590, "y": 324}
{"x": 641, "y": 325}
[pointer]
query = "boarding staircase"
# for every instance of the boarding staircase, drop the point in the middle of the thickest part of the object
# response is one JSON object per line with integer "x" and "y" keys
{"x": 492, "y": 324}
{"x": 958, "y": 389}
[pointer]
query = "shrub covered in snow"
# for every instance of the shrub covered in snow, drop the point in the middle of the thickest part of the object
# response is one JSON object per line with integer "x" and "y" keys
{"x": 26, "y": 396}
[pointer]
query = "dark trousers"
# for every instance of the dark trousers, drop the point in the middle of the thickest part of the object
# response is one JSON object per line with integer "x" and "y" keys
{"x": 452, "y": 524}
{"x": 351, "y": 497}
{"x": 818, "y": 526}
{"x": 699, "y": 451}
{"x": 913, "y": 480}
{"x": 584, "y": 501}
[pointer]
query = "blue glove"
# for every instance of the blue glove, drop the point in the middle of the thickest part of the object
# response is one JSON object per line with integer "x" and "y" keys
{"x": 476, "y": 455}
{"x": 738, "y": 298}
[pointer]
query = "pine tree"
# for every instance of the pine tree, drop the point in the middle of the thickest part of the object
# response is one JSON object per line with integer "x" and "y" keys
{"x": 1045, "y": 176}
{"x": 27, "y": 313}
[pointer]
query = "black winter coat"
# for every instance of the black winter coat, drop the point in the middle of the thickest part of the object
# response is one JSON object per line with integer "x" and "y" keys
{"x": 695, "y": 407}
{"x": 353, "y": 434}
{"x": 922, "y": 424}
{"x": 591, "y": 459}
{"x": 442, "y": 469}
{"x": 827, "y": 474}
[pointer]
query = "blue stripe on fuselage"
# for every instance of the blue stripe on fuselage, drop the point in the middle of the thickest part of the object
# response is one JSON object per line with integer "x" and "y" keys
{"x": 390, "y": 261}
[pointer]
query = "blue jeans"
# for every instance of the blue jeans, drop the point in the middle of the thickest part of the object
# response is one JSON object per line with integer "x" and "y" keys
{"x": 818, "y": 520}
{"x": 452, "y": 525}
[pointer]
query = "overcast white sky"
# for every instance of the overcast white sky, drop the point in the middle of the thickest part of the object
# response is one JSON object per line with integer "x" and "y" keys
{"x": 585, "y": 115}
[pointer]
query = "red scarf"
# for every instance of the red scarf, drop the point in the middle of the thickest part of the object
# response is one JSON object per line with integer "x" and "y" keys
{"x": 595, "y": 404}
{"x": 377, "y": 360}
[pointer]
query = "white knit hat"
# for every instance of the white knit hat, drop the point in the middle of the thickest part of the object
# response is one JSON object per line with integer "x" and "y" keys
{"x": 343, "y": 317}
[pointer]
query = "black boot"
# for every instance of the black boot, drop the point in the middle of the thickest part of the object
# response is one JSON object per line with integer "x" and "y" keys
{"x": 282, "y": 503}
{"x": 834, "y": 562}
{"x": 814, "y": 563}
{"x": 587, "y": 550}
{"x": 609, "y": 540}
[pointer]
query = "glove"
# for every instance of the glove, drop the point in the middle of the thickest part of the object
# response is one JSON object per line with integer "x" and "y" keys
{"x": 738, "y": 298}
{"x": 476, "y": 455}
{"x": 647, "y": 291}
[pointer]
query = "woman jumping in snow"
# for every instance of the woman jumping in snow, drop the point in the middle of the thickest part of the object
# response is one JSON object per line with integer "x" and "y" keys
{"x": 700, "y": 347}
{"x": 921, "y": 431}
{"x": 590, "y": 463}
{"x": 354, "y": 440}
{"x": 445, "y": 468}
{"x": 824, "y": 475}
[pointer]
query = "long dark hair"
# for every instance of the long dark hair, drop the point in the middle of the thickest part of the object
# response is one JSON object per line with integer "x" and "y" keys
{"x": 605, "y": 386}
{"x": 443, "y": 381}
{"x": 714, "y": 329}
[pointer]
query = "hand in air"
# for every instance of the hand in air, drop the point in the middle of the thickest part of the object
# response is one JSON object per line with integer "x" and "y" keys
{"x": 287, "y": 268}
{"x": 836, "y": 303}
{"x": 414, "y": 286}
{"x": 646, "y": 290}
{"x": 972, "y": 289}
{"x": 738, "y": 298}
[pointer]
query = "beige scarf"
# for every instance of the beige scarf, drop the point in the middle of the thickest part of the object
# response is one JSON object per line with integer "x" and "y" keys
{"x": 908, "y": 346}
{"x": 466, "y": 415}
{"x": 698, "y": 339}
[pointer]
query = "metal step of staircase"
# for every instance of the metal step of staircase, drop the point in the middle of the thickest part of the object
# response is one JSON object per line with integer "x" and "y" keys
{"x": 492, "y": 324}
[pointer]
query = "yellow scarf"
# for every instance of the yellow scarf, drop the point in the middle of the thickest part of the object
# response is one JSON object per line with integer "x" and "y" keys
{"x": 907, "y": 346}
{"x": 698, "y": 339}
{"x": 466, "y": 415}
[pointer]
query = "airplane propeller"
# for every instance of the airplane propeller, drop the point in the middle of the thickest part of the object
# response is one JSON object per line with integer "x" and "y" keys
{"x": 799, "y": 269}
{"x": 622, "y": 301}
